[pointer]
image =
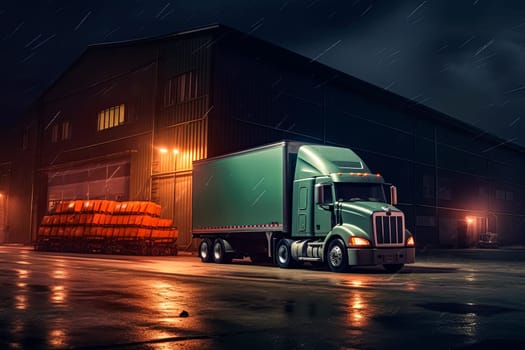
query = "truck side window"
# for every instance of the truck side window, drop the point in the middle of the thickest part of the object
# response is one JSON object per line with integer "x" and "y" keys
{"x": 327, "y": 194}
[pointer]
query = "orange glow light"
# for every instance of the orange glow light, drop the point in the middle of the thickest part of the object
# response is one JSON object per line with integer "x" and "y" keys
{"x": 469, "y": 219}
{"x": 175, "y": 151}
{"x": 358, "y": 242}
{"x": 163, "y": 150}
{"x": 410, "y": 241}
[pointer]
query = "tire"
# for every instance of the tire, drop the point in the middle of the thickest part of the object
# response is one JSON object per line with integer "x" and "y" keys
{"x": 219, "y": 252}
{"x": 283, "y": 254}
{"x": 155, "y": 250}
{"x": 205, "y": 252}
{"x": 393, "y": 268}
{"x": 336, "y": 256}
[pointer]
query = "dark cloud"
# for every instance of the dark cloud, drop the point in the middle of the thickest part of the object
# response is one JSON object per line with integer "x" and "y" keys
{"x": 460, "y": 57}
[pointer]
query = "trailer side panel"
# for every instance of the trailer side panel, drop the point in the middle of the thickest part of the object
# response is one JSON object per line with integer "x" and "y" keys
{"x": 242, "y": 192}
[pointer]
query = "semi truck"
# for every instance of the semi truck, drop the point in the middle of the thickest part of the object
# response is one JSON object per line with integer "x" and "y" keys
{"x": 292, "y": 202}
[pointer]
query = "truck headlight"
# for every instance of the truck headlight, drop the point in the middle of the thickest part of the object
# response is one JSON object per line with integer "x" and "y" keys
{"x": 358, "y": 242}
{"x": 411, "y": 242}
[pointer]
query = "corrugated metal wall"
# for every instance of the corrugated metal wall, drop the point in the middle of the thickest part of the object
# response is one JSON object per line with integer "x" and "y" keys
{"x": 171, "y": 186}
{"x": 181, "y": 133}
{"x": 140, "y": 169}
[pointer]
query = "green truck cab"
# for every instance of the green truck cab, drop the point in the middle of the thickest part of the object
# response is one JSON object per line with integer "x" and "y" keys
{"x": 293, "y": 202}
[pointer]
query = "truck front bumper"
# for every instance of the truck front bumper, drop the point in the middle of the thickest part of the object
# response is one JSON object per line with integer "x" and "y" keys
{"x": 381, "y": 256}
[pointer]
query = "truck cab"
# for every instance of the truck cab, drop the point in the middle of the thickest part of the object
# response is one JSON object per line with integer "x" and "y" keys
{"x": 341, "y": 215}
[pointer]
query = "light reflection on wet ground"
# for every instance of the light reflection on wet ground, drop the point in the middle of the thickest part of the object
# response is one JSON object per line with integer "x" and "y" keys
{"x": 52, "y": 302}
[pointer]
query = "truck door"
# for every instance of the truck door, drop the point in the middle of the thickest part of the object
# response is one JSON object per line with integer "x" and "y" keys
{"x": 302, "y": 208}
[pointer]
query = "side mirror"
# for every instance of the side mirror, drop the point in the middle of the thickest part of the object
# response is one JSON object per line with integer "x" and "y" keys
{"x": 319, "y": 194}
{"x": 393, "y": 195}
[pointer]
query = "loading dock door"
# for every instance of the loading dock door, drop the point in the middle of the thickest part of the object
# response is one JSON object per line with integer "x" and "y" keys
{"x": 97, "y": 181}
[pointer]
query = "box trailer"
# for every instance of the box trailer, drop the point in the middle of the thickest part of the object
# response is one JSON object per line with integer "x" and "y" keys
{"x": 291, "y": 203}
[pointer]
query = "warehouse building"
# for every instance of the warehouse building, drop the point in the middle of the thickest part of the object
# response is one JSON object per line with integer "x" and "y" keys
{"x": 127, "y": 119}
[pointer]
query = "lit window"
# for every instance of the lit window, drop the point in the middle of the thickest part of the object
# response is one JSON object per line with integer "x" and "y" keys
{"x": 180, "y": 88}
{"x": 111, "y": 117}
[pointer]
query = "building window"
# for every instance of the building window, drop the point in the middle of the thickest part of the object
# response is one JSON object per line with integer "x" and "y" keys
{"x": 54, "y": 133}
{"x": 66, "y": 130}
{"x": 111, "y": 117}
{"x": 180, "y": 88}
{"x": 61, "y": 132}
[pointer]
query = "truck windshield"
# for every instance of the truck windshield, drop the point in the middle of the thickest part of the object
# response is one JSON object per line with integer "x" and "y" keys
{"x": 348, "y": 192}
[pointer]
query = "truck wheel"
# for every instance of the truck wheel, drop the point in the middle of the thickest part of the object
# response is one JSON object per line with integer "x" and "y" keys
{"x": 393, "y": 268}
{"x": 283, "y": 254}
{"x": 337, "y": 258}
{"x": 205, "y": 250}
{"x": 219, "y": 252}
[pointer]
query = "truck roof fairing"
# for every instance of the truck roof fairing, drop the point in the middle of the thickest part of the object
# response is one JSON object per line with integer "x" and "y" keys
{"x": 337, "y": 162}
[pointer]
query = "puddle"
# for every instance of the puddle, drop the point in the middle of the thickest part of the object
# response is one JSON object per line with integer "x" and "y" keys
{"x": 463, "y": 309}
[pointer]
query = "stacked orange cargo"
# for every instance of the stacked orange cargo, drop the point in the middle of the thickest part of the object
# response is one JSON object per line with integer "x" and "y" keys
{"x": 132, "y": 227}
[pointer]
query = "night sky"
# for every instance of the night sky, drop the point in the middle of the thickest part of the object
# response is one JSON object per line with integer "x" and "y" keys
{"x": 465, "y": 58}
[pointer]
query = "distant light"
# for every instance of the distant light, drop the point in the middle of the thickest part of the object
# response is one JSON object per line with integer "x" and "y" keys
{"x": 175, "y": 151}
{"x": 469, "y": 219}
{"x": 163, "y": 150}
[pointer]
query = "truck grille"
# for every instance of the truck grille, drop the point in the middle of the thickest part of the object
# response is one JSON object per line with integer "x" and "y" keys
{"x": 389, "y": 230}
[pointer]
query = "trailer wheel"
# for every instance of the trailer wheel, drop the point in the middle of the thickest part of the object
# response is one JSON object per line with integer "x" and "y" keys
{"x": 205, "y": 250}
{"x": 155, "y": 250}
{"x": 336, "y": 257}
{"x": 393, "y": 268}
{"x": 219, "y": 252}
{"x": 283, "y": 254}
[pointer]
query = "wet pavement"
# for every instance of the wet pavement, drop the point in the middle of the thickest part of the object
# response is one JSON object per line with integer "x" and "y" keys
{"x": 444, "y": 301}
